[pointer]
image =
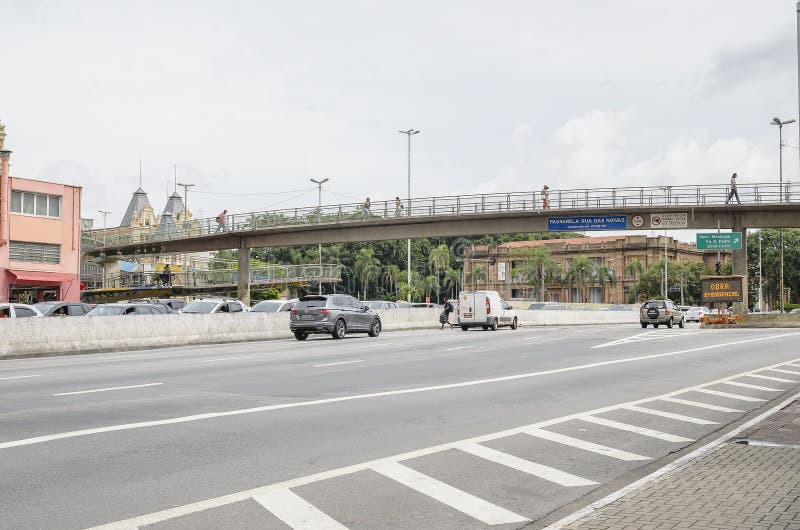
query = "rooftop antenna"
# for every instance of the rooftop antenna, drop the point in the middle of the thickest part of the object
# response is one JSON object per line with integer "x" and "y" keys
{"x": 175, "y": 167}
{"x": 140, "y": 173}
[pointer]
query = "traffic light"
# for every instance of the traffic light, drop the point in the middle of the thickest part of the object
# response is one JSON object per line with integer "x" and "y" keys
{"x": 719, "y": 268}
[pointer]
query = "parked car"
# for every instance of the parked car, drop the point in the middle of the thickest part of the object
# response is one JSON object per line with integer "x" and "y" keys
{"x": 117, "y": 309}
{"x": 378, "y": 305}
{"x": 215, "y": 305}
{"x": 657, "y": 312}
{"x": 795, "y": 310}
{"x": 171, "y": 305}
{"x": 541, "y": 305}
{"x": 694, "y": 314}
{"x": 621, "y": 307}
{"x": 274, "y": 306}
{"x": 55, "y": 309}
{"x": 337, "y": 314}
{"x": 19, "y": 311}
{"x": 484, "y": 309}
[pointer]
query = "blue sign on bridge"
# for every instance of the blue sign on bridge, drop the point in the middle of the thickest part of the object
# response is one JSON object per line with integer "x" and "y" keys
{"x": 587, "y": 222}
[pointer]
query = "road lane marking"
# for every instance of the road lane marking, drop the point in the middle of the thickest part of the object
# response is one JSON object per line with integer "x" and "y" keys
{"x": 457, "y": 348}
{"x": 462, "y": 501}
{"x": 700, "y": 405}
{"x": 526, "y": 466}
{"x": 754, "y": 387}
{"x": 296, "y": 511}
{"x": 105, "y": 389}
{"x": 18, "y": 377}
{"x": 199, "y": 506}
{"x": 531, "y": 338}
{"x": 784, "y": 371}
{"x": 586, "y": 446}
{"x": 227, "y": 359}
{"x": 281, "y": 406}
{"x": 770, "y": 378}
{"x": 727, "y": 395}
{"x": 334, "y": 364}
{"x": 670, "y": 415}
{"x": 634, "y": 429}
{"x": 792, "y": 364}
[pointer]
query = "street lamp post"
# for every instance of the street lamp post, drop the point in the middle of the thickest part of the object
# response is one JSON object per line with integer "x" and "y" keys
{"x": 409, "y": 133}
{"x": 760, "y": 279}
{"x": 105, "y": 216}
{"x": 780, "y": 124}
{"x": 186, "y": 226}
{"x": 319, "y": 184}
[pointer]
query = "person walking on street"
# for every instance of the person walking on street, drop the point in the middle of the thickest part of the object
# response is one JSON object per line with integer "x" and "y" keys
{"x": 734, "y": 192}
{"x": 546, "y": 197}
{"x": 444, "y": 318}
{"x": 398, "y": 207}
{"x": 367, "y": 206}
{"x": 221, "y": 221}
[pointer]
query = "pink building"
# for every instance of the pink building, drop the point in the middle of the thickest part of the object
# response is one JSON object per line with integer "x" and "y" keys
{"x": 40, "y": 237}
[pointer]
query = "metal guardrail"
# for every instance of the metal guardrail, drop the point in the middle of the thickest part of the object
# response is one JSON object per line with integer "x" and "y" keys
{"x": 560, "y": 200}
{"x": 270, "y": 275}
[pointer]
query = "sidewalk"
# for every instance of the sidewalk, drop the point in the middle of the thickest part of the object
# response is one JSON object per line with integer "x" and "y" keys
{"x": 751, "y": 481}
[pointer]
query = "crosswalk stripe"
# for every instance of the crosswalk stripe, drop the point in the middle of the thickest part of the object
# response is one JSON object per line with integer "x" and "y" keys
{"x": 754, "y": 387}
{"x": 462, "y": 501}
{"x": 727, "y": 395}
{"x": 586, "y": 446}
{"x": 296, "y": 511}
{"x": 526, "y": 466}
{"x": 783, "y": 371}
{"x": 633, "y": 428}
{"x": 770, "y": 378}
{"x": 670, "y": 415}
{"x": 700, "y": 405}
{"x": 793, "y": 364}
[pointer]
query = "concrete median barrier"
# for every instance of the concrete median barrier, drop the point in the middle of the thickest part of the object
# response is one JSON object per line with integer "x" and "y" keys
{"x": 71, "y": 335}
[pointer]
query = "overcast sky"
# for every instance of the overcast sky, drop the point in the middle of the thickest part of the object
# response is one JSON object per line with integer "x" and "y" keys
{"x": 258, "y": 97}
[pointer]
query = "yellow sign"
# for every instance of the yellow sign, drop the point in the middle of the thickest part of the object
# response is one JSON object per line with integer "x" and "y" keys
{"x": 721, "y": 289}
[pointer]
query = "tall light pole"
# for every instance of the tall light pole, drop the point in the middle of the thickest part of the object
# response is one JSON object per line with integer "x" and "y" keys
{"x": 666, "y": 277}
{"x": 319, "y": 184}
{"x": 409, "y": 133}
{"x": 185, "y": 199}
{"x": 105, "y": 215}
{"x": 760, "y": 279}
{"x": 186, "y": 225}
{"x": 780, "y": 124}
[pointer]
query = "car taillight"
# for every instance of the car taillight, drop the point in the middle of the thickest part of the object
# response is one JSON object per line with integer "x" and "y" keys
{"x": 488, "y": 307}
{"x": 666, "y": 312}
{"x": 323, "y": 311}
{"x": 293, "y": 312}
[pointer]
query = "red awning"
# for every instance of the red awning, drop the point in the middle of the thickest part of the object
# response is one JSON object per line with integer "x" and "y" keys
{"x": 40, "y": 277}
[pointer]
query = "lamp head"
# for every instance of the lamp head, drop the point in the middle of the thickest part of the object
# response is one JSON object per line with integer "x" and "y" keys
{"x": 776, "y": 121}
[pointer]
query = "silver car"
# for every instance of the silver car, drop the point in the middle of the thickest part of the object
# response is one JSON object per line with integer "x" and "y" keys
{"x": 657, "y": 312}
{"x": 336, "y": 314}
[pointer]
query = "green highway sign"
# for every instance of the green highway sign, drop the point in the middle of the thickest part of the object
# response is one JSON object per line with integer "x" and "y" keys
{"x": 720, "y": 241}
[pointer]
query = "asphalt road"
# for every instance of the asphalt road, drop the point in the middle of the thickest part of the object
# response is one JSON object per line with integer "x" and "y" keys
{"x": 423, "y": 429}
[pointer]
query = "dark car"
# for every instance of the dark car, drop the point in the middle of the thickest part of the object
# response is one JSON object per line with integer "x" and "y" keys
{"x": 107, "y": 310}
{"x": 58, "y": 309}
{"x": 658, "y": 312}
{"x": 336, "y": 314}
{"x": 171, "y": 305}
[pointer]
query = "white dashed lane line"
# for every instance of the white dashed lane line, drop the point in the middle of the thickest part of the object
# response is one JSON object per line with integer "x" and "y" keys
{"x": 17, "y": 377}
{"x": 105, "y": 389}
{"x": 227, "y": 359}
{"x": 334, "y": 364}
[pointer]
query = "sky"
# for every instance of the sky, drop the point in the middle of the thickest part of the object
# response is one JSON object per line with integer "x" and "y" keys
{"x": 249, "y": 100}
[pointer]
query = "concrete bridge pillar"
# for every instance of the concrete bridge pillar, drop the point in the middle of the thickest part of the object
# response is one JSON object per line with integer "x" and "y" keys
{"x": 243, "y": 276}
{"x": 739, "y": 262}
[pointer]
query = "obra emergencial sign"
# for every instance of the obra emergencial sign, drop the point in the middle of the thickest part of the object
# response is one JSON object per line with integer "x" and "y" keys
{"x": 721, "y": 289}
{"x": 587, "y": 222}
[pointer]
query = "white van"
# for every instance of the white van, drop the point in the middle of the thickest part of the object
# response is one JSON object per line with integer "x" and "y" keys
{"x": 484, "y": 309}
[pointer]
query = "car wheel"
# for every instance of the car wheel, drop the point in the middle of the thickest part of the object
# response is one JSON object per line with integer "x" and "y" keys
{"x": 300, "y": 335}
{"x": 375, "y": 328}
{"x": 464, "y": 328}
{"x": 339, "y": 330}
{"x": 514, "y": 324}
{"x": 680, "y": 324}
{"x": 485, "y": 328}
{"x": 494, "y": 325}
{"x": 655, "y": 325}
{"x": 669, "y": 323}
{"x": 644, "y": 324}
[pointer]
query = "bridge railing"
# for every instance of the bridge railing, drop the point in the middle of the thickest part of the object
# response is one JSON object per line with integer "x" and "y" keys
{"x": 560, "y": 201}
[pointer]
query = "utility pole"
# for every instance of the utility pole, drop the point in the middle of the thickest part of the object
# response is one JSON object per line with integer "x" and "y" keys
{"x": 666, "y": 277}
{"x": 409, "y": 133}
{"x": 187, "y": 227}
{"x": 760, "y": 279}
{"x": 105, "y": 215}
{"x": 319, "y": 184}
{"x": 780, "y": 123}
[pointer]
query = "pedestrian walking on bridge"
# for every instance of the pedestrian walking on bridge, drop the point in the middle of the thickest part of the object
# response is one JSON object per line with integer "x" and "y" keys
{"x": 221, "y": 221}
{"x": 733, "y": 192}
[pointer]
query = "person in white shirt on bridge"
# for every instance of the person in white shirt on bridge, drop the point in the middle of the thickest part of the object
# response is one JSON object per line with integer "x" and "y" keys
{"x": 546, "y": 197}
{"x": 734, "y": 192}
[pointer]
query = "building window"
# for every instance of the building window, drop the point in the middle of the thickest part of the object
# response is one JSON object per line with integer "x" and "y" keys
{"x": 34, "y": 252}
{"x": 36, "y": 204}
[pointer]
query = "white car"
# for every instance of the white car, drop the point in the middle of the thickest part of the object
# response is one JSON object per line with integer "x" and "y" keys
{"x": 694, "y": 314}
{"x": 19, "y": 311}
{"x": 274, "y": 306}
{"x": 216, "y": 305}
{"x": 484, "y": 309}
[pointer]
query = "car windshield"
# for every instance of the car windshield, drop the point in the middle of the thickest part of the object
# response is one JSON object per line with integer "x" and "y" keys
{"x": 375, "y": 305}
{"x": 267, "y": 307}
{"x": 106, "y": 310}
{"x": 313, "y": 302}
{"x": 199, "y": 307}
{"x": 657, "y": 305}
{"x": 44, "y": 307}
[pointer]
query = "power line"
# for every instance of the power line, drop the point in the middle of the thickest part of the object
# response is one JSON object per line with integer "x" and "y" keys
{"x": 304, "y": 190}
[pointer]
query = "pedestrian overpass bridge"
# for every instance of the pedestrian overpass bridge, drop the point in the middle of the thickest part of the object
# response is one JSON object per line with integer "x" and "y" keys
{"x": 692, "y": 207}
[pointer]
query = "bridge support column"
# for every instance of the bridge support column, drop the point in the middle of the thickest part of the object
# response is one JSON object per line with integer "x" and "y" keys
{"x": 739, "y": 262}
{"x": 243, "y": 280}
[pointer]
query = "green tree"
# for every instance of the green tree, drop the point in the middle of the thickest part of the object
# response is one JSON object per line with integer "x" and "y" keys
{"x": 537, "y": 267}
{"x": 580, "y": 274}
{"x": 604, "y": 274}
{"x": 452, "y": 278}
{"x": 477, "y": 274}
{"x": 439, "y": 260}
{"x": 391, "y": 274}
{"x": 634, "y": 267}
{"x": 366, "y": 267}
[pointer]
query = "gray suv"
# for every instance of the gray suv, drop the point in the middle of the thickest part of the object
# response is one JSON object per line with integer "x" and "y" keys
{"x": 658, "y": 312}
{"x": 337, "y": 314}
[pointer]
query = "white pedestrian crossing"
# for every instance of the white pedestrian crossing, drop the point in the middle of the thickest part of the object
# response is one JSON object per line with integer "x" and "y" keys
{"x": 698, "y": 404}
{"x": 586, "y": 446}
{"x": 784, "y": 371}
{"x": 727, "y": 395}
{"x": 633, "y": 428}
{"x": 771, "y": 378}
{"x": 754, "y": 387}
{"x": 296, "y": 511}
{"x": 670, "y": 415}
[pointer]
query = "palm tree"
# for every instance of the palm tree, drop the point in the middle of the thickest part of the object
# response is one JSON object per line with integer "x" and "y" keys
{"x": 452, "y": 277}
{"x": 603, "y": 274}
{"x": 633, "y": 267}
{"x": 477, "y": 274}
{"x": 581, "y": 272}
{"x": 366, "y": 266}
{"x": 391, "y": 273}
{"x": 537, "y": 268}
{"x": 439, "y": 259}
{"x": 431, "y": 283}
